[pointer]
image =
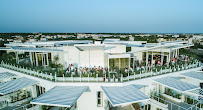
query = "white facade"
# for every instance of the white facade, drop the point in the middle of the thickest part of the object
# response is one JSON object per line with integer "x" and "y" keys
{"x": 88, "y": 100}
{"x": 86, "y": 54}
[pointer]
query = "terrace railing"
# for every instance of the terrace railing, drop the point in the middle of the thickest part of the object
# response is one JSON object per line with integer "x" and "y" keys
{"x": 130, "y": 76}
{"x": 165, "y": 103}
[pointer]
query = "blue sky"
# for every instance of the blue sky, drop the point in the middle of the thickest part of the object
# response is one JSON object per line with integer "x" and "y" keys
{"x": 128, "y": 16}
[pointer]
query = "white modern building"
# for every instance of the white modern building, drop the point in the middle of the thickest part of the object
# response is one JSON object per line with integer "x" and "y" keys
{"x": 167, "y": 88}
{"x": 109, "y": 54}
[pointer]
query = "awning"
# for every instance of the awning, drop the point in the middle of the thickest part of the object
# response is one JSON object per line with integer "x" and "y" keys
{"x": 7, "y": 75}
{"x": 124, "y": 95}
{"x": 5, "y": 48}
{"x": 175, "y": 84}
{"x": 31, "y": 49}
{"x": 197, "y": 92}
{"x": 15, "y": 85}
{"x": 193, "y": 75}
{"x": 62, "y": 96}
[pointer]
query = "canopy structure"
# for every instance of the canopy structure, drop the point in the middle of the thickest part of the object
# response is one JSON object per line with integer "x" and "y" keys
{"x": 5, "y": 48}
{"x": 30, "y": 49}
{"x": 89, "y": 47}
{"x": 197, "y": 92}
{"x": 7, "y": 75}
{"x": 194, "y": 75}
{"x": 49, "y": 43}
{"x": 175, "y": 84}
{"x": 61, "y": 96}
{"x": 15, "y": 85}
{"x": 124, "y": 95}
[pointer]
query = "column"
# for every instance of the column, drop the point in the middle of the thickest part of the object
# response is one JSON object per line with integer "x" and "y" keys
{"x": 129, "y": 62}
{"x": 42, "y": 55}
{"x": 162, "y": 58}
{"x": 147, "y": 57}
{"x": 176, "y": 52}
{"x": 119, "y": 63}
{"x": 169, "y": 58}
{"x": 17, "y": 59}
{"x": 133, "y": 63}
{"x": 36, "y": 59}
{"x": 89, "y": 58}
{"x": 47, "y": 58}
{"x": 108, "y": 66}
{"x": 173, "y": 53}
{"x": 31, "y": 61}
{"x": 152, "y": 59}
{"x": 79, "y": 60}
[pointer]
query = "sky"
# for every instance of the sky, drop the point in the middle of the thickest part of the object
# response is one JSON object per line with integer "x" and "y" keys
{"x": 102, "y": 16}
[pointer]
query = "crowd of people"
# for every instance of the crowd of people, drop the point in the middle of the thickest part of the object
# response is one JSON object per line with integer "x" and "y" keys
{"x": 139, "y": 65}
{"x": 85, "y": 70}
{"x": 181, "y": 59}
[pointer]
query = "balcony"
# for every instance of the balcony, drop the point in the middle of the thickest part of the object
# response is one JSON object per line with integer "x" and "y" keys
{"x": 166, "y": 103}
{"x": 101, "y": 77}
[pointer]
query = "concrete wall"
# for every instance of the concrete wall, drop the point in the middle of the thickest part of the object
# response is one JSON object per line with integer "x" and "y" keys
{"x": 85, "y": 58}
{"x": 138, "y": 56}
{"x": 115, "y": 48}
{"x": 91, "y": 58}
{"x": 71, "y": 56}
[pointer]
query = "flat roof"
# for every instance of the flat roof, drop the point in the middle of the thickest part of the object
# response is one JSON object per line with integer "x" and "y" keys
{"x": 127, "y": 43}
{"x": 157, "y": 46}
{"x": 176, "y": 84}
{"x": 50, "y": 43}
{"x": 7, "y": 75}
{"x": 193, "y": 75}
{"x": 83, "y": 47}
{"x": 15, "y": 85}
{"x": 61, "y": 96}
{"x": 124, "y": 95}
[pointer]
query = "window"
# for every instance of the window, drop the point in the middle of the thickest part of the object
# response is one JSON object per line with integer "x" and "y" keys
{"x": 99, "y": 99}
{"x": 40, "y": 90}
{"x": 128, "y": 49}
